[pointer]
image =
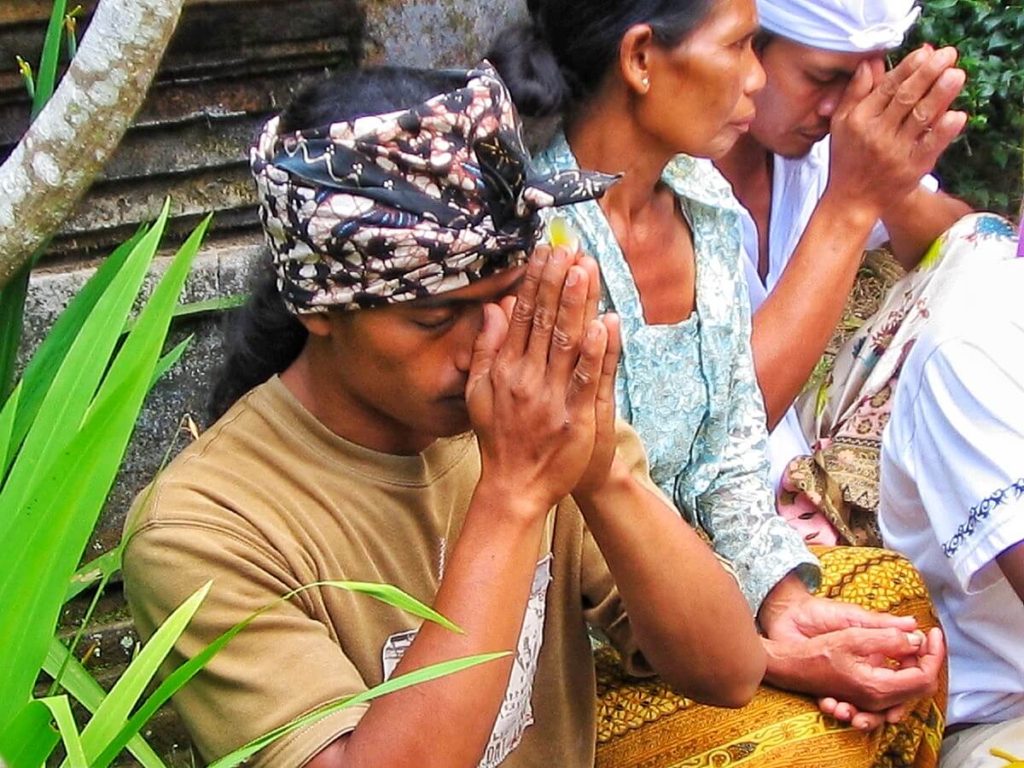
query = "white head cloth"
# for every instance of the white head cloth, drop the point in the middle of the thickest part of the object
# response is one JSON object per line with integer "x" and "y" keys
{"x": 840, "y": 25}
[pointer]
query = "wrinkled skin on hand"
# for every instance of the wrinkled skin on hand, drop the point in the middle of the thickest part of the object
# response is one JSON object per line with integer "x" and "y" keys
{"x": 541, "y": 381}
{"x": 865, "y": 667}
{"x": 890, "y": 128}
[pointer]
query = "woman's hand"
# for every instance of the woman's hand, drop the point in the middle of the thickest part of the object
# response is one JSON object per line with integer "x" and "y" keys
{"x": 865, "y": 666}
{"x": 890, "y": 127}
{"x": 871, "y": 674}
{"x": 534, "y": 381}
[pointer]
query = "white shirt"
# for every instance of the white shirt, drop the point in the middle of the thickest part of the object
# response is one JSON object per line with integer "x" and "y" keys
{"x": 952, "y": 489}
{"x": 797, "y": 186}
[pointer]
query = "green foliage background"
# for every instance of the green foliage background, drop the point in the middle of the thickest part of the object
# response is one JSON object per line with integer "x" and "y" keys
{"x": 985, "y": 166}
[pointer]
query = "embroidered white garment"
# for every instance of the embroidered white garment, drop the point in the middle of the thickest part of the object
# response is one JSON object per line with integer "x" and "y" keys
{"x": 952, "y": 488}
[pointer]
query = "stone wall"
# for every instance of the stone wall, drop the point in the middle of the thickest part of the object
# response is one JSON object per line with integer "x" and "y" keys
{"x": 231, "y": 64}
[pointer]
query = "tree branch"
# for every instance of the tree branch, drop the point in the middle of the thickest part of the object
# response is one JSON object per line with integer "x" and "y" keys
{"x": 81, "y": 126}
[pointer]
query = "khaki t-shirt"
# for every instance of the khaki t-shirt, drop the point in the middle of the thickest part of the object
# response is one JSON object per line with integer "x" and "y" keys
{"x": 269, "y": 500}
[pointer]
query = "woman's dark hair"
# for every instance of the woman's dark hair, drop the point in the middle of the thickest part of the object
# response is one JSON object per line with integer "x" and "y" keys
{"x": 559, "y": 58}
{"x": 262, "y": 337}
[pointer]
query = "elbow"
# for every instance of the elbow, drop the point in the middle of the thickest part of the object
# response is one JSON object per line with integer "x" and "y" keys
{"x": 738, "y": 693}
{"x": 728, "y": 683}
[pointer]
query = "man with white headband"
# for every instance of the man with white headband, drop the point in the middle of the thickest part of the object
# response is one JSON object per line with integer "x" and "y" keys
{"x": 836, "y": 162}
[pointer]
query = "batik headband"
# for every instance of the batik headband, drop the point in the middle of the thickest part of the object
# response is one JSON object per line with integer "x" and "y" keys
{"x": 394, "y": 207}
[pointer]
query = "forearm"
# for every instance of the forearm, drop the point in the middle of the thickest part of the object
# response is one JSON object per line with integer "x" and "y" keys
{"x": 917, "y": 220}
{"x": 686, "y": 611}
{"x": 793, "y": 325}
{"x": 484, "y": 591}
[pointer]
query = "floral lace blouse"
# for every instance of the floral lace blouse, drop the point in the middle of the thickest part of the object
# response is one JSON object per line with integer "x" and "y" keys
{"x": 689, "y": 389}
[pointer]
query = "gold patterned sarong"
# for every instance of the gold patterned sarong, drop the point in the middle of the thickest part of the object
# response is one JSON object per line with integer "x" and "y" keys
{"x": 642, "y": 724}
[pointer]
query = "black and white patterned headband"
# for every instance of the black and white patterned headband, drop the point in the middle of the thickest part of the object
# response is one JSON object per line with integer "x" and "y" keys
{"x": 394, "y": 207}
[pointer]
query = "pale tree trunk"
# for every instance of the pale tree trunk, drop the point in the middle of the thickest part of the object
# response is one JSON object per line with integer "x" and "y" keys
{"x": 78, "y": 130}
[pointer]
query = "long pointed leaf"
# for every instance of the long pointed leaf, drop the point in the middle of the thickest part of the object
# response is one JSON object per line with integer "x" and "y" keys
{"x": 102, "y": 567}
{"x": 47, "y": 77}
{"x": 133, "y": 681}
{"x": 67, "y": 494}
{"x": 147, "y": 337}
{"x": 12, "y": 323}
{"x": 168, "y": 361}
{"x": 82, "y": 369}
{"x": 77, "y": 681}
{"x": 46, "y": 361}
{"x": 28, "y": 739}
{"x": 393, "y": 596}
{"x": 61, "y": 710}
{"x": 7, "y": 427}
{"x": 180, "y": 676}
{"x": 416, "y": 677}
{"x": 52, "y": 530}
{"x": 84, "y": 689}
{"x": 206, "y": 306}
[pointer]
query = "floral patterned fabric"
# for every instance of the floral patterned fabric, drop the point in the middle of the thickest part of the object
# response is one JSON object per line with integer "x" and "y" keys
{"x": 689, "y": 389}
{"x": 845, "y": 416}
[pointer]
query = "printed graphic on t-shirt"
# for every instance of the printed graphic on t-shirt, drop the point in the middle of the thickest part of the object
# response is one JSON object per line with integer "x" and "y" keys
{"x": 516, "y": 713}
{"x": 394, "y": 649}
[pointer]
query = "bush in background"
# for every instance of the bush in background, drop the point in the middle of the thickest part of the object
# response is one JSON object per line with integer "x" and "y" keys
{"x": 985, "y": 166}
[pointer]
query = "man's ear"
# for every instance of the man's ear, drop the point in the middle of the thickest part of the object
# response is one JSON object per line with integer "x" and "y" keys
{"x": 316, "y": 323}
{"x": 635, "y": 58}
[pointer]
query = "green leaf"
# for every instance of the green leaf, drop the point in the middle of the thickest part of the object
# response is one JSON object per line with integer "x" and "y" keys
{"x": 168, "y": 361}
{"x": 46, "y": 361}
{"x": 151, "y": 326}
{"x": 205, "y": 307}
{"x": 46, "y": 80}
{"x": 61, "y": 710}
{"x": 219, "y": 304}
{"x": 64, "y": 496}
{"x": 77, "y": 681}
{"x": 122, "y": 698}
{"x": 102, "y": 567}
{"x": 7, "y": 427}
{"x": 423, "y": 675}
{"x": 74, "y": 385}
{"x": 12, "y": 323}
{"x": 180, "y": 676}
{"x": 392, "y": 596}
{"x": 29, "y": 738}
{"x": 52, "y": 530}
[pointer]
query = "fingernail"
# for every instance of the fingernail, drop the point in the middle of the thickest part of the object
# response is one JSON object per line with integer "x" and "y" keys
{"x": 572, "y": 278}
{"x": 916, "y": 637}
{"x": 593, "y": 331}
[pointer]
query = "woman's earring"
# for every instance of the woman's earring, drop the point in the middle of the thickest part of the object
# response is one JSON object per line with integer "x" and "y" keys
{"x": 645, "y": 82}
